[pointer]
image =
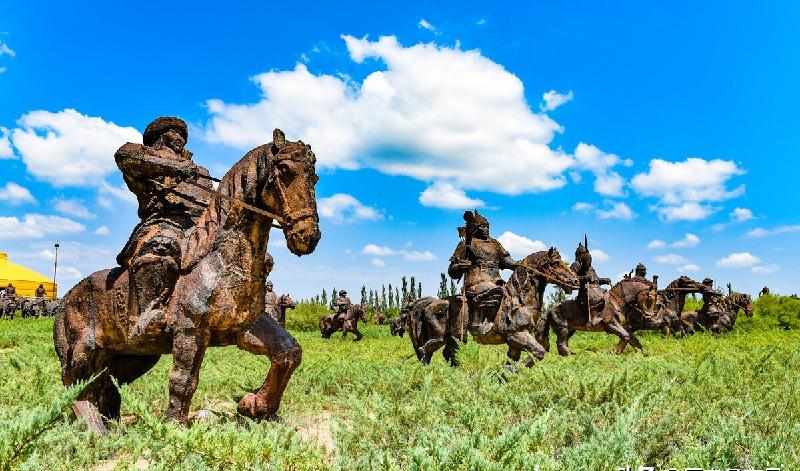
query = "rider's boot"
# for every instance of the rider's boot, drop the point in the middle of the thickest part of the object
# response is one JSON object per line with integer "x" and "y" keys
{"x": 153, "y": 280}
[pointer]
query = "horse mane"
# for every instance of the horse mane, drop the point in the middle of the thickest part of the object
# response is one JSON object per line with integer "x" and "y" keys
{"x": 734, "y": 298}
{"x": 243, "y": 182}
{"x": 537, "y": 259}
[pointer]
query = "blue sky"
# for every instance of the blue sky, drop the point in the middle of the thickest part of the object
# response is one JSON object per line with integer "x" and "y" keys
{"x": 667, "y": 132}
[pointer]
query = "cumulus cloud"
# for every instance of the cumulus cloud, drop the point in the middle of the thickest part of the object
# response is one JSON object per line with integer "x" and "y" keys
{"x": 689, "y": 267}
{"x": 765, "y": 269}
{"x": 344, "y": 208}
{"x": 599, "y": 256}
{"x": 6, "y": 152}
{"x": 656, "y": 244}
{"x": 36, "y": 226}
{"x": 520, "y": 246}
{"x": 552, "y": 100}
{"x": 72, "y": 207}
{"x": 582, "y": 206}
{"x": 738, "y": 260}
{"x": 423, "y": 23}
{"x": 417, "y": 256}
{"x": 741, "y": 215}
{"x": 616, "y": 210}
{"x": 102, "y": 230}
{"x": 607, "y": 182}
{"x": 14, "y": 194}
{"x": 410, "y": 255}
{"x": 761, "y": 232}
{"x": 67, "y": 148}
{"x": 446, "y": 195}
{"x": 378, "y": 262}
{"x": 69, "y": 273}
{"x": 671, "y": 259}
{"x": 428, "y": 112}
{"x": 689, "y": 240}
{"x": 372, "y": 249}
{"x": 686, "y": 189}
{"x": 5, "y": 51}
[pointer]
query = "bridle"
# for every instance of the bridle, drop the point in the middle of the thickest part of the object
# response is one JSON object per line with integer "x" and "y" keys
{"x": 289, "y": 218}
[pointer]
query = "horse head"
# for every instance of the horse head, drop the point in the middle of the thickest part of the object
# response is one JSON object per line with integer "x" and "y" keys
{"x": 359, "y": 312}
{"x": 286, "y": 302}
{"x": 552, "y": 268}
{"x": 291, "y": 193}
{"x": 638, "y": 294}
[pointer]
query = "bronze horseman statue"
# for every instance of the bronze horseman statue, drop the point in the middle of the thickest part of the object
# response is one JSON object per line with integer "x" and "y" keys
{"x": 479, "y": 259}
{"x": 191, "y": 276}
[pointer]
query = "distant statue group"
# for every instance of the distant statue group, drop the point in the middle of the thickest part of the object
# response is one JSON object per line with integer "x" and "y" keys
{"x": 194, "y": 274}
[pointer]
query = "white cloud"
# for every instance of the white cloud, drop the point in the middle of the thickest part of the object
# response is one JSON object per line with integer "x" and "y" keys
{"x": 607, "y": 182}
{"x": 671, "y": 259}
{"x": 423, "y": 23}
{"x": 6, "y": 152}
{"x": 553, "y": 99}
{"x": 765, "y": 269}
{"x": 417, "y": 256}
{"x": 582, "y": 206}
{"x": 372, "y": 249}
{"x": 102, "y": 230}
{"x": 689, "y": 240}
{"x": 684, "y": 189}
{"x": 14, "y": 194}
{"x": 378, "y": 262}
{"x": 520, "y": 246}
{"x": 741, "y": 215}
{"x": 617, "y": 210}
{"x": 120, "y": 192}
{"x": 445, "y": 195}
{"x": 738, "y": 260}
{"x": 5, "y": 50}
{"x": 410, "y": 255}
{"x": 69, "y": 273}
{"x": 684, "y": 212}
{"x": 689, "y": 267}
{"x": 36, "y": 226}
{"x": 656, "y": 244}
{"x": 429, "y": 112}
{"x": 761, "y": 232}
{"x": 599, "y": 256}
{"x": 105, "y": 202}
{"x": 72, "y": 207}
{"x": 344, "y": 208}
{"x": 69, "y": 149}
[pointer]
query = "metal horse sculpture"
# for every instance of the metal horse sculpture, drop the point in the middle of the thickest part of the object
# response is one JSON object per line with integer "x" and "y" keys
{"x": 435, "y": 323}
{"x": 628, "y": 304}
{"x": 723, "y": 322}
{"x": 345, "y": 324}
{"x": 218, "y": 299}
{"x": 672, "y": 300}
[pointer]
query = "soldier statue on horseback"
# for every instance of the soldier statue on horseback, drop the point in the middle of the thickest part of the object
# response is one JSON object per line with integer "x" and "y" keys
{"x": 479, "y": 259}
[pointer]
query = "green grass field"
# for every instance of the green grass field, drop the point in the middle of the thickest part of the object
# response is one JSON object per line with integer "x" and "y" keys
{"x": 705, "y": 401}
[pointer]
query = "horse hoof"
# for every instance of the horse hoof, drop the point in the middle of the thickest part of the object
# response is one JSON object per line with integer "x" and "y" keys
{"x": 510, "y": 368}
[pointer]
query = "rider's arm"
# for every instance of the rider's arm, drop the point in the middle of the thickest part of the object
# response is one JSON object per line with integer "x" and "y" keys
{"x": 506, "y": 262}
{"x": 135, "y": 162}
{"x": 458, "y": 262}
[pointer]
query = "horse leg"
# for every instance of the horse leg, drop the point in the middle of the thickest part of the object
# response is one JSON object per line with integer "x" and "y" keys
{"x": 543, "y": 331}
{"x": 450, "y": 351}
{"x": 524, "y": 341}
{"x": 635, "y": 342}
{"x": 430, "y": 347}
{"x": 563, "y": 335}
{"x": 128, "y": 368}
{"x": 624, "y": 336}
{"x": 358, "y": 333}
{"x": 188, "y": 349}
{"x": 266, "y": 337}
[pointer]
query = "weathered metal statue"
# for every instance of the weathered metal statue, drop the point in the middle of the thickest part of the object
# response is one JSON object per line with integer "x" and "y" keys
{"x": 722, "y": 317}
{"x": 275, "y": 306}
{"x": 764, "y": 291}
{"x": 672, "y": 300}
{"x": 340, "y": 305}
{"x": 344, "y": 320}
{"x": 628, "y": 305}
{"x": 590, "y": 292}
{"x": 380, "y": 317}
{"x": 492, "y": 311}
{"x": 398, "y": 326}
{"x": 211, "y": 245}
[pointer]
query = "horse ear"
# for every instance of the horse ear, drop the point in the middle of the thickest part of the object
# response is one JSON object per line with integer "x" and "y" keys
{"x": 278, "y": 138}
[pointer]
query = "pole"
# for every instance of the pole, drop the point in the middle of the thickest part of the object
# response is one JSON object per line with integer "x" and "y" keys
{"x": 55, "y": 270}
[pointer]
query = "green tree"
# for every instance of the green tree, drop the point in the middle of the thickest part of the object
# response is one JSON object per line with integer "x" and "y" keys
{"x": 442, "y": 293}
{"x": 557, "y": 296}
{"x": 363, "y": 295}
{"x": 412, "y": 293}
{"x": 324, "y": 297}
{"x": 419, "y": 289}
{"x": 453, "y": 289}
{"x": 405, "y": 288}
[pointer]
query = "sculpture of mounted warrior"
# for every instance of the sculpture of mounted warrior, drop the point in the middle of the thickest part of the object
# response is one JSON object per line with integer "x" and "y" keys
{"x": 479, "y": 258}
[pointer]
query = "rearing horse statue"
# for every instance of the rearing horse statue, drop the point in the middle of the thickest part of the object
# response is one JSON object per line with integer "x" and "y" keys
{"x": 218, "y": 299}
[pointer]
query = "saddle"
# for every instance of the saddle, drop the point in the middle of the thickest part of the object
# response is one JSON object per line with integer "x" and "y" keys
{"x": 489, "y": 298}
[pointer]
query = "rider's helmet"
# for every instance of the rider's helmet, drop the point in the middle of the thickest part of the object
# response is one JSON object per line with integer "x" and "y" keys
{"x": 640, "y": 270}
{"x": 269, "y": 286}
{"x": 342, "y": 293}
{"x": 161, "y": 125}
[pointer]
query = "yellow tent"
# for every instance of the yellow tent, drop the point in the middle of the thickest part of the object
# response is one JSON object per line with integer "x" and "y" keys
{"x": 24, "y": 280}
